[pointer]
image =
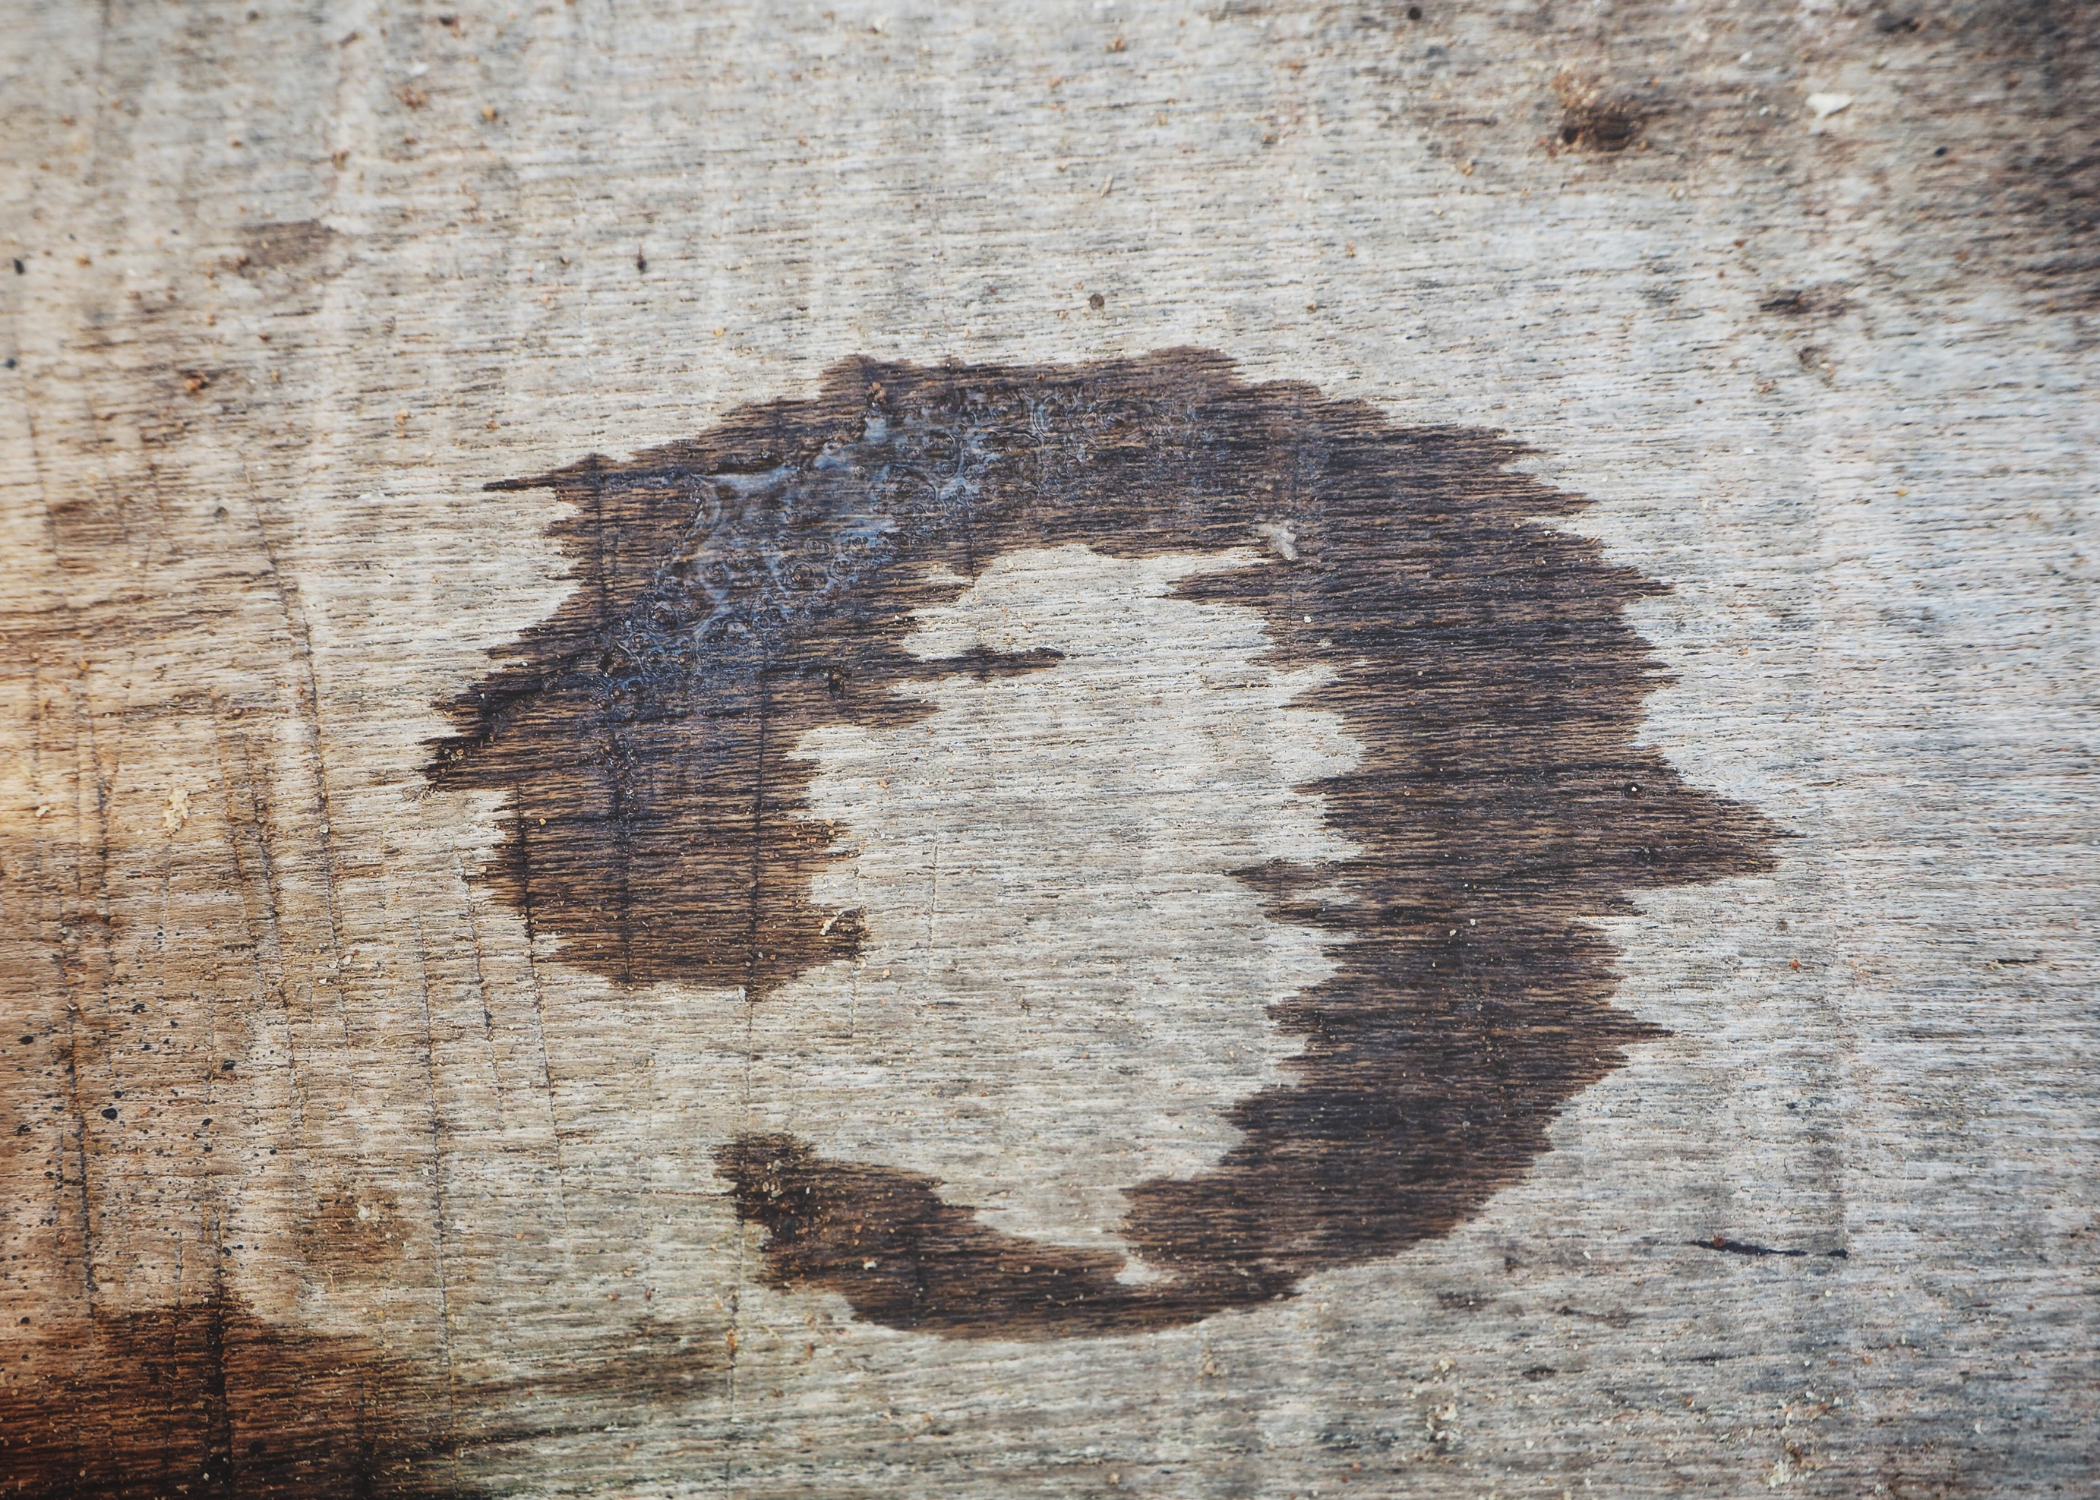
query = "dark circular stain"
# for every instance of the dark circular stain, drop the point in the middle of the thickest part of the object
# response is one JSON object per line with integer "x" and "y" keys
{"x": 743, "y": 587}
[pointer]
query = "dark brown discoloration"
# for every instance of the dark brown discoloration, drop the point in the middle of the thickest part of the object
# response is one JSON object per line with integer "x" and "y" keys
{"x": 2023, "y": 173}
{"x": 1817, "y": 303}
{"x": 211, "y": 1401}
{"x": 352, "y": 1235}
{"x": 1982, "y": 128}
{"x": 291, "y": 246}
{"x": 1597, "y": 118}
{"x": 742, "y": 588}
{"x": 886, "y": 1241}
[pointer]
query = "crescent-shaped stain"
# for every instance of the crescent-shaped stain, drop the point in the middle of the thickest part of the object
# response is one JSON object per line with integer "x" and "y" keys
{"x": 740, "y": 589}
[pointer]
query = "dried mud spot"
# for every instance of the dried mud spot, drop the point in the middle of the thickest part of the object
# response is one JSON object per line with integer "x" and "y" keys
{"x": 744, "y": 587}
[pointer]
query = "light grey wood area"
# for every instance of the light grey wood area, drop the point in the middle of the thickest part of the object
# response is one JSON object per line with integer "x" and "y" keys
{"x": 292, "y": 284}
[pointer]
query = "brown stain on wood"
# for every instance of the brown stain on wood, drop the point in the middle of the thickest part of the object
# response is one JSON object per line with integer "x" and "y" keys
{"x": 741, "y": 588}
{"x": 298, "y": 247}
{"x": 210, "y": 1400}
{"x": 1594, "y": 117}
{"x": 2033, "y": 187}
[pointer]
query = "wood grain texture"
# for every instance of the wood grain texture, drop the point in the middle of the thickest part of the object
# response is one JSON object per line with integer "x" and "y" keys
{"x": 330, "y": 1169}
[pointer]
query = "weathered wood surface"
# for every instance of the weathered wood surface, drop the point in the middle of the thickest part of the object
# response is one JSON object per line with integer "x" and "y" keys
{"x": 349, "y": 1150}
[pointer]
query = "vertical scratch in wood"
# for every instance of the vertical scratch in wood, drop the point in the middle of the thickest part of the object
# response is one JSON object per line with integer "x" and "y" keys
{"x": 262, "y": 983}
{"x": 481, "y": 985}
{"x": 752, "y": 957}
{"x": 76, "y": 1064}
{"x": 218, "y": 1431}
{"x": 857, "y": 963}
{"x": 301, "y": 634}
{"x": 933, "y": 902}
{"x": 616, "y": 788}
{"x": 437, "y": 1194}
{"x": 539, "y": 1010}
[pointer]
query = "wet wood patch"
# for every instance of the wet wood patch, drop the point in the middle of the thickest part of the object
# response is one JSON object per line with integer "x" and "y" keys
{"x": 820, "y": 579}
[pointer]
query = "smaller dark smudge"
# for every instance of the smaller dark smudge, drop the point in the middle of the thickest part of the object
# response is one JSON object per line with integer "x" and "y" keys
{"x": 1596, "y": 118}
{"x": 1817, "y": 302}
{"x": 1743, "y": 1247}
{"x": 2021, "y": 84}
{"x": 1617, "y": 1317}
{"x": 285, "y": 246}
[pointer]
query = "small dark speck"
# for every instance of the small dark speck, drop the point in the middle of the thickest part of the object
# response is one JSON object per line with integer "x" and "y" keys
{"x": 1096, "y": 301}
{"x": 1540, "y": 1372}
{"x": 641, "y": 262}
{"x": 1414, "y": 13}
{"x": 27, "y": 1040}
{"x": 1936, "y": 151}
{"x": 20, "y": 269}
{"x": 226, "y": 1066}
{"x": 10, "y": 361}
{"x": 109, "y": 1114}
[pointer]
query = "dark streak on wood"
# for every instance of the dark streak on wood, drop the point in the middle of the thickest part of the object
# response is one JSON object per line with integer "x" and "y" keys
{"x": 1741, "y": 1247}
{"x": 1481, "y": 658}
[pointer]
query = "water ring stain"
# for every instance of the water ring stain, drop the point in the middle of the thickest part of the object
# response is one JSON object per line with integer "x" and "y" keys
{"x": 740, "y": 589}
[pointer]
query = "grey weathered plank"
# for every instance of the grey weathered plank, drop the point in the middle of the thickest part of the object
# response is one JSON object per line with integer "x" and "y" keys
{"x": 294, "y": 286}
